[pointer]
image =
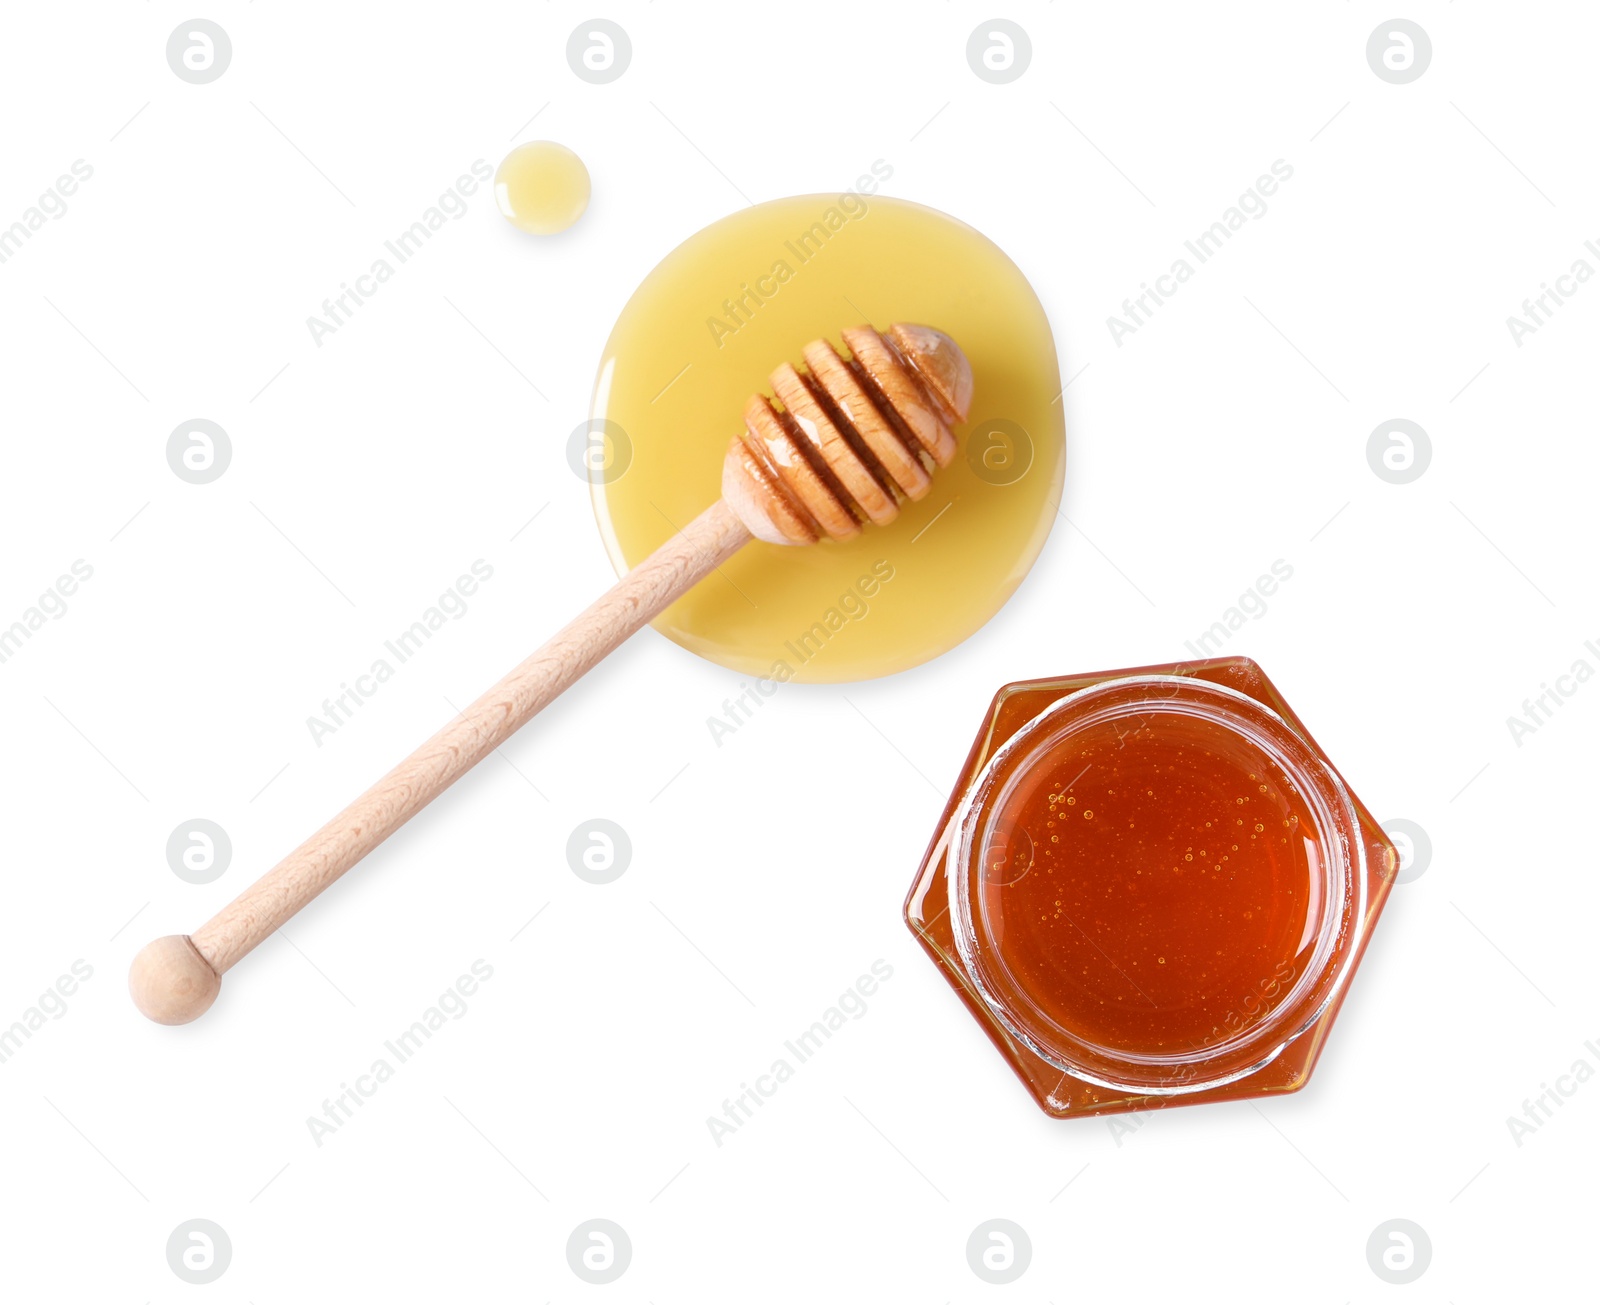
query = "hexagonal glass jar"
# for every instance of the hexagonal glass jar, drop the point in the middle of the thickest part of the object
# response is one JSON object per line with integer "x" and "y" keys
{"x": 1151, "y": 887}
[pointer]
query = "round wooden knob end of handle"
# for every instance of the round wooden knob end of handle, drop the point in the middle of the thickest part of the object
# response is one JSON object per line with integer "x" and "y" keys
{"x": 171, "y": 982}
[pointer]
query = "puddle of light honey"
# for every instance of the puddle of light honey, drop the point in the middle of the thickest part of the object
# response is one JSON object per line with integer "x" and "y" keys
{"x": 681, "y": 361}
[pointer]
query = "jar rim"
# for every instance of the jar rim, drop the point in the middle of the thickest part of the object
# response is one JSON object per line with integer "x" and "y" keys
{"x": 1341, "y": 854}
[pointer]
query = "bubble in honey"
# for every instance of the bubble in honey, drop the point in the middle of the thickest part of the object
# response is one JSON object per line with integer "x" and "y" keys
{"x": 541, "y": 187}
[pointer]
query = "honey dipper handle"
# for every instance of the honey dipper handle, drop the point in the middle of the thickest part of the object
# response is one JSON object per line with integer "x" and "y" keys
{"x": 166, "y": 982}
{"x": 632, "y": 602}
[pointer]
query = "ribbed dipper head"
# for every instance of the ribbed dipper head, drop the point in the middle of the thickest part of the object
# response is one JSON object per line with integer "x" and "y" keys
{"x": 849, "y": 435}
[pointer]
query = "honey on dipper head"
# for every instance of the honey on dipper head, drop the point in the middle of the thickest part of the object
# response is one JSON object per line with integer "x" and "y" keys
{"x": 848, "y": 436}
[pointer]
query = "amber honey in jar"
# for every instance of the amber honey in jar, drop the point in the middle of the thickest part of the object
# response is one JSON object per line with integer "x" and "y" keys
{"x": 1151, "y": 887}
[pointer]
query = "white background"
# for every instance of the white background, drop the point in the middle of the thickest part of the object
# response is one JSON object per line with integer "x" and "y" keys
{"x": 768, "y": 874}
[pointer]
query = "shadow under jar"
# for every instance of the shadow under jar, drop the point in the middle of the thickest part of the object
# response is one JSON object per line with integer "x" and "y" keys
{"x": 1151, "y": 887}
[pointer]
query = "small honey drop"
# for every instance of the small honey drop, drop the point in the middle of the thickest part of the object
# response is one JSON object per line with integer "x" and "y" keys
{"x": 541, "y": 187}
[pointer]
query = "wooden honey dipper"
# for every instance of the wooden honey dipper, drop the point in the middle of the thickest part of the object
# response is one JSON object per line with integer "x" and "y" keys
{"x": 846, "y": 440}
